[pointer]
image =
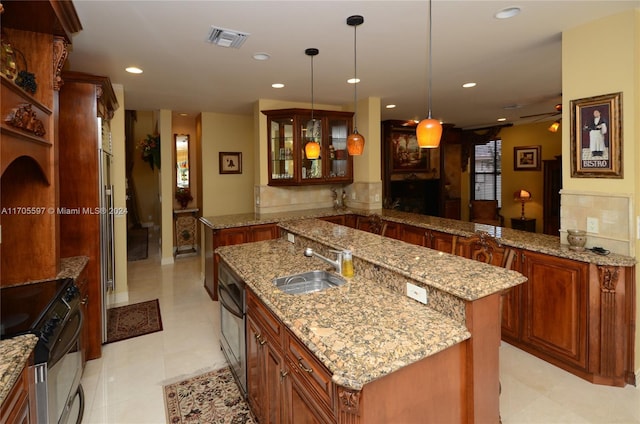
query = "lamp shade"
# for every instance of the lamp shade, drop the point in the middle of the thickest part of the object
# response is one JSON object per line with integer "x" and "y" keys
{"x": 428, "y": 132}
{"x": 355, "y": 143}
{"x": 312, "y": 150}
{"x": 554, "y": 127}
{"x": 522, "y": 195}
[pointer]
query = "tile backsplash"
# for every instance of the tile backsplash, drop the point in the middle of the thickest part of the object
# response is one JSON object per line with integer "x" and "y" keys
{"x": 612, "y": 214}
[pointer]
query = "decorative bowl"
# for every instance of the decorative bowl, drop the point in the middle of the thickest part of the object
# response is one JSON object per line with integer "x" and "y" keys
{"x": 577, "y": 239}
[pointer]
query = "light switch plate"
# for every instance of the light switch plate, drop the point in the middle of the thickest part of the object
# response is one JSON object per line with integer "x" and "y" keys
{"x": 291, "y": 237}
{"x": 417, "y": 293}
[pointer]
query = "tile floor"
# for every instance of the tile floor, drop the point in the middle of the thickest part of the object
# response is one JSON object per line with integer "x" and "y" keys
{"x": 124, "y": 386}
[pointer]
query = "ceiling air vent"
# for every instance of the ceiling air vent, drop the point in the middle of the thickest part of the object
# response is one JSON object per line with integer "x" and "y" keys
{"x": 226, "y": 37}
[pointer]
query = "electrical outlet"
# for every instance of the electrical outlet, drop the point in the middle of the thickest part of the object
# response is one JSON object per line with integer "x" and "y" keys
{"x": 377, "y": 198}
{"x": 592, "y": 225}
{"x": 291, "y": 237}
{"x": 353, "y": 196}
{"x": 417, "y": 293}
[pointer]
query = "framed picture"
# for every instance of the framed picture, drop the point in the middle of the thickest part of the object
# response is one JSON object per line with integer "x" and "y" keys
{"x": 230, "y": 162}
{"x": 406, "y": 155}
{"x": 526, "y": 158}
{"x": 596, "y": 137}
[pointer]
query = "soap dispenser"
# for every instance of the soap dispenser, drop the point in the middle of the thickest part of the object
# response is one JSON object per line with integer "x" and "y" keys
{"x": 347, "y": 264}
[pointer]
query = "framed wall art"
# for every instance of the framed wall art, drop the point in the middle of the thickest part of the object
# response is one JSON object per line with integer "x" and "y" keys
{"x": 526, "y": 158}
{"x": 230, "y": 162}
{"x": 406, "y": 155}
{"x": 596, "y": 137}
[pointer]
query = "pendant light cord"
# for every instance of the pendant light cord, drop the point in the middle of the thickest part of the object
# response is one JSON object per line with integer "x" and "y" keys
{"x": 430, "y": 64}
{"x": 355, "y": 77}
{"x": 312, "y": 121}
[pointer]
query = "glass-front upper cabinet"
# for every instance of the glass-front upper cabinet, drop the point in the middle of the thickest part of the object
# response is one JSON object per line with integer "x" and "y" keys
{"x": 290, "y": 130}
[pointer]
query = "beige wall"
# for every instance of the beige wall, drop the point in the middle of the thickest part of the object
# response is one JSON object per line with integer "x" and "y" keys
{"x": 224, "y": 194}
{"x": 144, "y": 179}
{"x": 616, "y": 68}
{"x": 535, "y": 134}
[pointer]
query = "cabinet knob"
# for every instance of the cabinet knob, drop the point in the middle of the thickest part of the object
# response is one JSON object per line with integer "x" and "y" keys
{"x": 283, "y": 374}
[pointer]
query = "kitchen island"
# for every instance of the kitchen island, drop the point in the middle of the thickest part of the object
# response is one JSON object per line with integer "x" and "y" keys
{"x": 388, "y": 356}
{"x": 577, "y": 310}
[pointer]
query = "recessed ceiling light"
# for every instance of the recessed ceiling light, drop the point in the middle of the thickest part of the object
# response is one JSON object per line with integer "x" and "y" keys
{"x": 277, "y": 85}
{"x": 469, "y": 84}
{"x": 390, "y": 106}
{"x": 183, "y": 114}
{"x": 133, "y": 70}
{"x": 502, "y": 119}
{"x": 261, "y": 56}
{"x": 353, "y": 80}
{"x": 512, "y": 107}
{"x": 507, "y": 12}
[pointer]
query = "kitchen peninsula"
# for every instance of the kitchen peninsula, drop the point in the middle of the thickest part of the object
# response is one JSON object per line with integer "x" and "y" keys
{"x": 576, "y": 311}
{"x": 388, "y": 357}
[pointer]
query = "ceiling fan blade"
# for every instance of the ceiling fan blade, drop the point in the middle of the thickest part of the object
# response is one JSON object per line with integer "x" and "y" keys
{"x": 541, "y": 114}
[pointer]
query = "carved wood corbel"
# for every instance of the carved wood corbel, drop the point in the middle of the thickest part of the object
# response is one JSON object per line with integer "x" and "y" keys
{"x": 349, "y": 401}
{"x": 60, "y": 52}
{"x": 608, "y": 279}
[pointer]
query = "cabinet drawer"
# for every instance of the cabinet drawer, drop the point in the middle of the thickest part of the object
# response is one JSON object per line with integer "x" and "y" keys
{"x": 312, "y": 373}
{"x": 15, "y": 408}
{"x": 268, "y": 322}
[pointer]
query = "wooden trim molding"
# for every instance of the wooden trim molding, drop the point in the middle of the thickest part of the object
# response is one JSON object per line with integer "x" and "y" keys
{"x": 60, "y": 53}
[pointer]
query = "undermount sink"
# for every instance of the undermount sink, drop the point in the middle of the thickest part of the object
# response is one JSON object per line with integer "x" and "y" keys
{"x": 308, "y": 282}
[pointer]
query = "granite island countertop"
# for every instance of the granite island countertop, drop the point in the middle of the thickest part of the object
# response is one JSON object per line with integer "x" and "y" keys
{"x": 536, "y": 242}
{"x": 13, "y": 358}
{"x": 363, "y": 330}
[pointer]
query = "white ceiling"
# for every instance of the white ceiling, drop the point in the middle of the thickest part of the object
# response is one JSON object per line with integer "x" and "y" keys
{"x": 514, "y": 62}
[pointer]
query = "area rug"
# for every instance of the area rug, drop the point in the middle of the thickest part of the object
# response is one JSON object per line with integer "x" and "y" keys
{"x": 125, "y": 322}
{"x": 137, "y": 244}
{"x": 211, "y": 398}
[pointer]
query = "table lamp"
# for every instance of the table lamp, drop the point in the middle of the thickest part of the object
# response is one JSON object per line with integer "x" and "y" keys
{"x": 522, "y": 196}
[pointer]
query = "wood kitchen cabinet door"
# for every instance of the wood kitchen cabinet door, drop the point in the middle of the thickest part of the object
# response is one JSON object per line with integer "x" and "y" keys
{"x": 413, "y": 235}
{"x": 441, "y": 242}
{"x": 555, "y": 305}
{"x": 263, "y": 232}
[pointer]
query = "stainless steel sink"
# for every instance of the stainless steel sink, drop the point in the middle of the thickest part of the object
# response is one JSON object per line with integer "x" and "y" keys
{"x": 308, "y": 282}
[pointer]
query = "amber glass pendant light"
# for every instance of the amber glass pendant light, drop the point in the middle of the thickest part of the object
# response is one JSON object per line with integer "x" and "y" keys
{"x": 429, "y": 130}
{"x": 312, "y": 148}
{"x": 355, "y": 140}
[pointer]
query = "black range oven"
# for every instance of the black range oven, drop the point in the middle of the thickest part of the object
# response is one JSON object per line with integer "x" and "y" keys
{"x": 51, "y": 310}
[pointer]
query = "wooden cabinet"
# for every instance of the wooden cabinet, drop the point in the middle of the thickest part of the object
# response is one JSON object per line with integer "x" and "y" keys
{"x": 82, "y": 281}
{"x": 285, "y": 383}
{"x": 28, "y": 137}
{"x": 228, "y": 237}
{"x": 551, "y": 202}
{"x": 414, "y": 235}
{"x": 337, "y": 219}
{"x": 555, "y": 307}
{"x": 440, "y": 241}
{"x": 289, "y": 130}
{"x": 87, "y": 103}
{"x": 18, "y": 407}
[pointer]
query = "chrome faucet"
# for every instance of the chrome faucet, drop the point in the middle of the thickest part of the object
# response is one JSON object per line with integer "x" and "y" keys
{"x": 337, "y": 264}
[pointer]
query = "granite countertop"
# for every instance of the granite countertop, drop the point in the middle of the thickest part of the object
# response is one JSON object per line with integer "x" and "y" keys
{"x": 536, "y": 242}
{"x": 461, "y": 277}
{"x": 360, "y": 331}
{"x": 14, "y": 353}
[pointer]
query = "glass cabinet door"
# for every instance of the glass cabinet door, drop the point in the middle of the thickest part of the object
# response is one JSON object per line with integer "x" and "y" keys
{"x": 282, "y": 163}
{"x": 311, "y": 132}
{"x": 338, "y": 156}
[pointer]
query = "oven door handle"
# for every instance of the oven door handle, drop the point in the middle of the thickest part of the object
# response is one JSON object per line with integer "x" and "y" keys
{"x": 231, "y": 307}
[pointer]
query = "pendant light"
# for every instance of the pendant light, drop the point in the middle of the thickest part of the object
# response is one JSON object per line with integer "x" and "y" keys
{"x": 355, "y": 141}
{"x": 429, "y": 130}
{"x": 312, "y": 148}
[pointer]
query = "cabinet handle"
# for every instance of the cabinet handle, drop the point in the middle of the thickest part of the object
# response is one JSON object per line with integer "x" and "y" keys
{"x": 283, "y": 374}
{"x": 302, "y": 367}
{"x": 85, "y": 300}
{"x": 259, "y": 339}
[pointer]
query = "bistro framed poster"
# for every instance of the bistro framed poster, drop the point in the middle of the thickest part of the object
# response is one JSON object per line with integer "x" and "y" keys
{"x": 596, "y": 137}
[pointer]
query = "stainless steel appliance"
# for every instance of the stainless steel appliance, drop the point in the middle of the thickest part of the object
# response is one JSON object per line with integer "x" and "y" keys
{"x": 231, "y": 295}
{"x": 50, "y": 310}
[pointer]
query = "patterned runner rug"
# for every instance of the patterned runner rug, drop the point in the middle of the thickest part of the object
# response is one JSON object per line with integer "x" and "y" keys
{"x": 211, "y": 398}
{"x": 125, "y": 322}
